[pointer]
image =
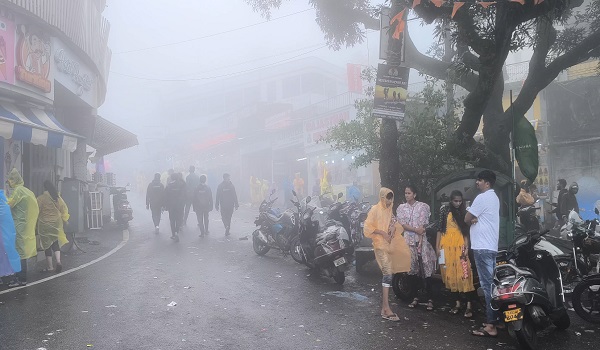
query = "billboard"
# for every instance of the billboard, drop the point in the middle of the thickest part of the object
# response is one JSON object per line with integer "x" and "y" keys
{"x": 7, "y": 50}
{"x": 391, "y": 91}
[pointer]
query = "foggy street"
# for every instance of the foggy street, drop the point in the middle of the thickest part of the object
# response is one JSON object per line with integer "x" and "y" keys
{"x": 227, "y": 297}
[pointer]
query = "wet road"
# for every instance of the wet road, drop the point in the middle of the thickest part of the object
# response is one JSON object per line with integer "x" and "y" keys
{"x": 227, "y": 297}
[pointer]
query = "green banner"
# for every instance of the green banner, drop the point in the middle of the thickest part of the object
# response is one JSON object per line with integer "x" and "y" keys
{"x": 526, "y": 148}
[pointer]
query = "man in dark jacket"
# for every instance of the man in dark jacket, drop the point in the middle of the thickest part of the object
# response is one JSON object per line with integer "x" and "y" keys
{"x": 227, "y": 200}
{"x": 192, "y": 181}
{"x": 569, "y": 201}
{"x": 154, "y": 200}
{"x": 561, "y": 187}
{"x": 203, "y": 204}
{"x": 175, "y": 202}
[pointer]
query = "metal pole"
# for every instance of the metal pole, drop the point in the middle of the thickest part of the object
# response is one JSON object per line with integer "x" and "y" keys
{"x": 512, "y": 141}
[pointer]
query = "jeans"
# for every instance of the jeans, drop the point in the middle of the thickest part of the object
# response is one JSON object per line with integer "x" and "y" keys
{"x": 202, "y": 221}
{"x": 485, "y": 260}
{"x": 226, "y": 214}
{"x": 176, "y": 218}
{"x": 188, "y": 206}
{"x": 156, "y": 214}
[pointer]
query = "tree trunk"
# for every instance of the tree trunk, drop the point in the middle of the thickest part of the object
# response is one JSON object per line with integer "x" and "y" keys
{"x": 389, "y": 162}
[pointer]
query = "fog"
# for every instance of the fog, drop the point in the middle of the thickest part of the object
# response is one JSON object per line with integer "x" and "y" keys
{"x": 161, "y": 53}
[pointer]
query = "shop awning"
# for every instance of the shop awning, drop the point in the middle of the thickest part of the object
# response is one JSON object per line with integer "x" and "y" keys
{"x": 35, "y": 126}
{"x": 108, "y": 137}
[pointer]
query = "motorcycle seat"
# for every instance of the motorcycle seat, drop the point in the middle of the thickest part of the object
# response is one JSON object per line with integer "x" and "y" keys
{"x": 274, "y": 218}
{"x": 525, "y": 271}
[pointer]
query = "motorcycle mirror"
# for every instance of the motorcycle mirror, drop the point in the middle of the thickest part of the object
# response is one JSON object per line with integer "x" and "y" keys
{"x": 308, "y": 199}
{"x": 273, "y": 191}
{"x": 294, "y": 193}
{"x": 340, "y": 195}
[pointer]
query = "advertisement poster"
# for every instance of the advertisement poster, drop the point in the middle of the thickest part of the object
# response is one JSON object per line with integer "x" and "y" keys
{"x": 354, "y": 78}
{"x": 391, "y": 91}
{"x": 34, "y": 52}
{"x": 7, "y": 50}
{"x": 389, "y": 48}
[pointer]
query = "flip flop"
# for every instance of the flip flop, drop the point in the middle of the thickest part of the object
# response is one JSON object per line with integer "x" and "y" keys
{"x": 468, "y": 313}
{"x": 454, "y": 310}
{"x": 393, "y": 317}
{"x": 483, "y": 333}
{"x": 46, "y": 270}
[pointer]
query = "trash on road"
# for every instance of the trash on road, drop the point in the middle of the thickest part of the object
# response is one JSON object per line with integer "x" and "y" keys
{"x": 111, "y": 306}
{"x": 172, "y": 304}
{"x": 578, "y": 334}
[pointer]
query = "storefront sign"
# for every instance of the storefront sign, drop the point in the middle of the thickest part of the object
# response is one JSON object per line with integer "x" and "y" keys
{"x": 7, "y": 49}
{"x": 34, "y": 50}
{"x": 316, "y": 129}
{"x": 391, "y": 91}
{"x": 74, "y": 75}
{"x": 354, "y": 78}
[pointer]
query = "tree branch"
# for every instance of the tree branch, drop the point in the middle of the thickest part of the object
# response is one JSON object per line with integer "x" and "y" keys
{"x": 433, "y": 67}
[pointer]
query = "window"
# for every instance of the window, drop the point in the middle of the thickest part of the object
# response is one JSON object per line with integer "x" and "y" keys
{"x": 312, "y": 83}
{"x": 291, "y": 86}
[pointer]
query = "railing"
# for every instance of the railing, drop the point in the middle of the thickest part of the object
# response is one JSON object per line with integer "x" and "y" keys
{"x": 81, "y": 21}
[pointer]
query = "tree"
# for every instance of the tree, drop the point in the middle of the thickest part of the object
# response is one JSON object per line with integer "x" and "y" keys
{"x": 561, "y": 33}
{"x": 421, "y": 141}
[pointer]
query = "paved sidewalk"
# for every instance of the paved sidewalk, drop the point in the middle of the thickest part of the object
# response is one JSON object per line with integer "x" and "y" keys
{"x": 90, "y": 245}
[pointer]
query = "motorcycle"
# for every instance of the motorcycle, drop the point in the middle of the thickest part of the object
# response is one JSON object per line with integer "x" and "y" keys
{"x": 123, "y": 213}
{"x": 528, "y": 290}
{"x": 583, "y": 256}
{"x": 275, "y": 230}
{"x": 323, "y": 243}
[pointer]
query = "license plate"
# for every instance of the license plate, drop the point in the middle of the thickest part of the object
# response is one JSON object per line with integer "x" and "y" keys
{"x": 513, "y": 315}
{"x": 498, "y": 263}
{"x": 340, "y": 261}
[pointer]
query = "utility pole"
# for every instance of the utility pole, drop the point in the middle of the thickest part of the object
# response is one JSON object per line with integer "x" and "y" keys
{"x": 449, "y": 85}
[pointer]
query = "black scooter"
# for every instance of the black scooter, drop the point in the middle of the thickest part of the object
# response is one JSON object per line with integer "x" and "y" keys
{"x": 528, "y": 290}
{"x": 123, "y": 213}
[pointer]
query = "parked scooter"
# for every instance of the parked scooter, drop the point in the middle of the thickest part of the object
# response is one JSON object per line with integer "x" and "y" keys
{"x": 274, "y": 230}
{"x": 324, "y": 243}
{"x": 123, "y": 213}
{"x": 528, "y": 290}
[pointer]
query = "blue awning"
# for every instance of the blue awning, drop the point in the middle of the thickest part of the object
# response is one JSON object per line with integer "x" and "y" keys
{"x": 35, "y": 126}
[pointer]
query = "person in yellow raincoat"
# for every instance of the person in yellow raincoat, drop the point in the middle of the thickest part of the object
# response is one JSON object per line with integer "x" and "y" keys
{"x": 24, "y": 209}
{"x": 391, "y": 251}
{"x": 53, "y": 213}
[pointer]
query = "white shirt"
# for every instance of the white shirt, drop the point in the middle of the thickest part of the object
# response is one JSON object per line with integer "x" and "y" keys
{"x": 485, "y": 233}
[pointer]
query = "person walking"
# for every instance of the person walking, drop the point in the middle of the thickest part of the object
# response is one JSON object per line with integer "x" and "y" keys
{"x": 453, "y": 244}
{"x": 155, "y": 200}
{"x": 483, "y": 217}
{"x": 25, "y": 211}
{"x": 203, "y": 205}
{"x": 175, "y": 203}
{"x": 391, "y": 252}
{"x": 561, "y": 187}
{"x": 192, "y": 181}
{"x": 53, "y": 213}
{"x": 226, "y": 201}
{"x": 354, "y": 194}
{"x": 10, "y": 261}
{"x": 299, "y": 185}
{"x": 569, "y": 201}
{"x": 414, "y": 216}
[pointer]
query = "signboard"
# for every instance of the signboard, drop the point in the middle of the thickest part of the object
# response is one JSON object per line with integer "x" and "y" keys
{"x": 34, "y": 52}
{"x": 74, "y": 75}
{"x": 316, "y": 129}
{"x": 385, "y": 38}
{"x": 391, "y": 91}
{"x": 354, "y": 78}
{"x": 7, "y": 49}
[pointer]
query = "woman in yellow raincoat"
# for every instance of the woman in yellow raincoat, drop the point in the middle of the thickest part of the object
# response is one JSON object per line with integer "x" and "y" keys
{"x": 24, "y": 209}
{"x": 53, "y": 212}
{"x": 391, "y": 251}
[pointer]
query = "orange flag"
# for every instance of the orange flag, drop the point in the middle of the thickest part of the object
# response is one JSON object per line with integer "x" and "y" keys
{"x": 522, "y": 2}
{"x": 486, "y": 4}
{"x": 457, "y": 5}
{"x": 438, "y": 3}
{"x": 416, "y": 3}
{"x": 400, "y": 26}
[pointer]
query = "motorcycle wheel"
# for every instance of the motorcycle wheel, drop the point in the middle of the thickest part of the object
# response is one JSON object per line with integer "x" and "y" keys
{"x": 403, "y": 288}
{"x": 296, "y": 251}
{"x": 586, "y": 300}
{"x": 259, "y": 248}
{"x": 526, "y": 336}
{"x": 339, "y": 277}
{"x": 563, "y": 322}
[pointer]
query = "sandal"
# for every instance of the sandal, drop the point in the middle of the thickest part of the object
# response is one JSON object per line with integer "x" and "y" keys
{"x": 481, "y": 332}
{"x": 414, "y": 303}
{"x": 468, "y": 313}
{"x": 46, "y": 270}
{"x": 392, "y": 317}
{"x": 430, "y": 305}
{"x": 455, "y": 310}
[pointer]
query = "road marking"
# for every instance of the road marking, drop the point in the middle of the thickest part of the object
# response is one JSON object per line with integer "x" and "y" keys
{"x": 114, "y": 250}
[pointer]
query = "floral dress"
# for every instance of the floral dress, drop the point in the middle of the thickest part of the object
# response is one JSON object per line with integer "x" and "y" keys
{"x": 417, "y": 215}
